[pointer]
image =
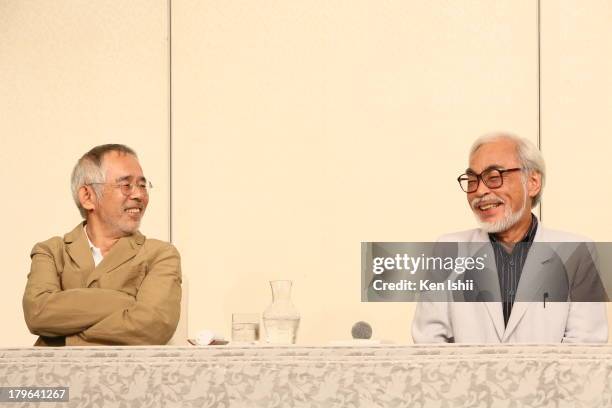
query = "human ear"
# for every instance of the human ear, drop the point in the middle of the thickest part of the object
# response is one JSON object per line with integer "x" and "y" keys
{"x": 534, "y": 183}
{"x": 87, "y": 198}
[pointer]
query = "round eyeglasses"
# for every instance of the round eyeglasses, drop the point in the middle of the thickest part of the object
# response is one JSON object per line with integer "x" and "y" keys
{"x": 492, "y": 178}
{"x": 128, "y": 189}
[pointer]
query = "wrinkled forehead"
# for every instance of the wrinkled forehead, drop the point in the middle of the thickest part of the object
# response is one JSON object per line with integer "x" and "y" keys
{"x": 120, "y": 166}
{"x": 501, "y": 153}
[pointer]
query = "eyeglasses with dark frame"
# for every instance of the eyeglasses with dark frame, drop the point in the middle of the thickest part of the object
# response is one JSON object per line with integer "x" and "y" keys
{"x": 128, "y": 188}
{"x": 492, "y": 178}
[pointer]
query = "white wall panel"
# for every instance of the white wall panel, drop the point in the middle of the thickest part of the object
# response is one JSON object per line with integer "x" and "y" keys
{"x": 577, "y": 117}
{"x": 73, "y": 75}
{"x": 301, "y": 129}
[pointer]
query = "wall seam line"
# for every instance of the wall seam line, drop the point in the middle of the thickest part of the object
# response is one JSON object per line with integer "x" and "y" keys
{"x": 539, "y": 92}
{"x": 170, "y": 164}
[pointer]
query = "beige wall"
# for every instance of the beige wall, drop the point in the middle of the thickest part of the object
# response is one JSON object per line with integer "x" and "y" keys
{"x": 576, "y": 117}
{"x": 299, "y": 130}
{"x": 304, "y": 128}
{"x": 74, "y": 74}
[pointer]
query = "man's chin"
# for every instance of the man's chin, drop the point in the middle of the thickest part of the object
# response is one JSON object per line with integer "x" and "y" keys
{"x": 500, "y": 225}
{"x": 492, "y": 227}
{"x": 130, "y": 228}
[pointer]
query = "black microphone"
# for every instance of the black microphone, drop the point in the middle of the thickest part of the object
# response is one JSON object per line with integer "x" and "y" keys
{"x": 361, "y": 331}
{"x": 362, "y": 337}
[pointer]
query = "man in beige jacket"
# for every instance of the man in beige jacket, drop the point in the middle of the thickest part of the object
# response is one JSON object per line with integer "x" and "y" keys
{"x": 104, "y": 283}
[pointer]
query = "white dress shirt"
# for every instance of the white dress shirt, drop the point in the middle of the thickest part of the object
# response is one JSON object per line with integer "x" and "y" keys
{"x": 95, "y": 251}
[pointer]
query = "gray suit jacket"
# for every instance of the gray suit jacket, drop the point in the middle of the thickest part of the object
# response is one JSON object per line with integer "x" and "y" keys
{"x": 529, "y": 322}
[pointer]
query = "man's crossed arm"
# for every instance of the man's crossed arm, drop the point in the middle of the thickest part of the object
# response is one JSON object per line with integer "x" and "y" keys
{"x": 104, "y": 316}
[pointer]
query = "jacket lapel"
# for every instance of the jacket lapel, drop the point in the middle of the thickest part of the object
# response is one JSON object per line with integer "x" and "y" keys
{"x": 78, "y": 250}
{"x": 493, "y": 308}
{"x": 530, "y": 282}
{"x": 497, "y": 316}
{"x": 124, "y": 250}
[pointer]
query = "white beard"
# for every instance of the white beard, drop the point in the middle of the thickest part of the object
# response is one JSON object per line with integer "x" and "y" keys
{"x": 502, "y": 225}
{"x": 509, "y": 220}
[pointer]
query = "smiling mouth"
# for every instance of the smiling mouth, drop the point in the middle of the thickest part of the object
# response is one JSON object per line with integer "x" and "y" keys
{"x": 487, "y": 206}
{"x": 133, "y": 210}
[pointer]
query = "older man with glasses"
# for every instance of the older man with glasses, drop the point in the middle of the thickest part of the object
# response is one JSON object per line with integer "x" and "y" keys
{"x": 104, "y": 282}
{"x": 503, "y": 182}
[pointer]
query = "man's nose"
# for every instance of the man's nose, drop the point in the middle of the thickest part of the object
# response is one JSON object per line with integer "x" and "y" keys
{"x": 136, "y": 194}
{"x": 482, "y": 189}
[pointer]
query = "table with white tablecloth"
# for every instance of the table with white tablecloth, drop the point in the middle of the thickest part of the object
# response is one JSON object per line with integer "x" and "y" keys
{"x": 318, "y": 376}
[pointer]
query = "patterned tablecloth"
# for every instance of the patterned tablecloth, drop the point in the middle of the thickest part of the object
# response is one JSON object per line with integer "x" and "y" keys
{"x": 381, "y": 376}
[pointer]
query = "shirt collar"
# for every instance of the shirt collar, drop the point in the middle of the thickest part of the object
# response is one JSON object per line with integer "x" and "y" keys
{"x": 95, "y": 251}
{"x": 91, "y": 245}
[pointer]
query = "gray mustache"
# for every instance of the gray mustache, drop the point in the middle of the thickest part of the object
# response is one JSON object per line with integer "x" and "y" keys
{"x": 489, "y": 200}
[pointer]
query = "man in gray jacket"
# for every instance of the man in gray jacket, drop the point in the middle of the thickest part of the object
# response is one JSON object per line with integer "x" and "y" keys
{"x": 503, "y": 183}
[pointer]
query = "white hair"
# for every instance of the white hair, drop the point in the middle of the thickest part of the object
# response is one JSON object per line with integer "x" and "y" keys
{"x": 84, "y": 173}
{"x": 89, "y": 171}
{"x": 529, "y": 156}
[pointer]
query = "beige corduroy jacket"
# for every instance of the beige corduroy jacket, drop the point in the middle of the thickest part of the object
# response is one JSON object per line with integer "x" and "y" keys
{"x": 132, "y": 297}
